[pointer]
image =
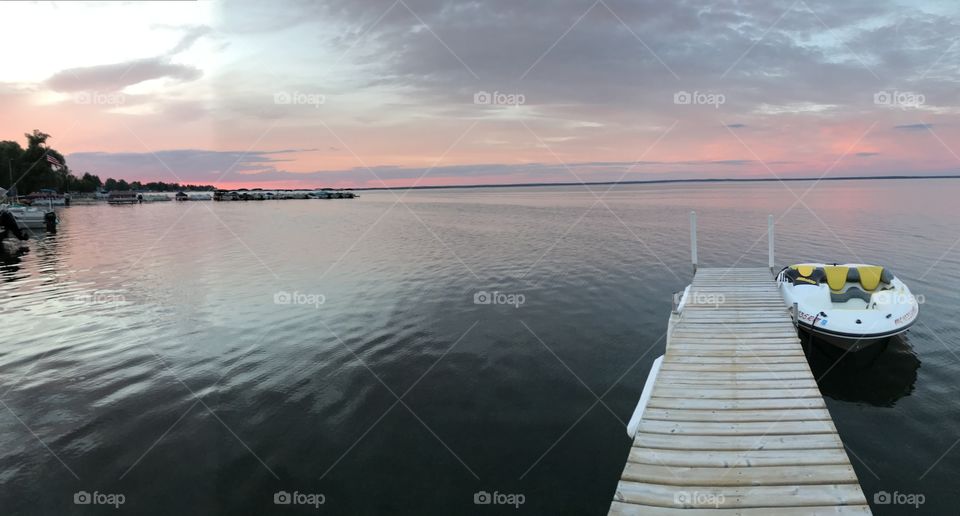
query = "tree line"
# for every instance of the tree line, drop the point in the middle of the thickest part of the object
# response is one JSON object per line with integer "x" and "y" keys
{"x": 29, "y": 171}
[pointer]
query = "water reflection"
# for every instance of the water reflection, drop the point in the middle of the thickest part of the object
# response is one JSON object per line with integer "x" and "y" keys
{"x": 47, "y": 248}
{"x": 879, "y": 375}
{"x": 10, "y": 258}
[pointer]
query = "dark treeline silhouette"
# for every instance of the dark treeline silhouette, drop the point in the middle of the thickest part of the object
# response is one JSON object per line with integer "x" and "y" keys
{"x": 29, "y": 171}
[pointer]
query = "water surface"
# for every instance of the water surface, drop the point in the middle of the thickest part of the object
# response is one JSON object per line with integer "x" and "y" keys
{"x": 150, "y": 350}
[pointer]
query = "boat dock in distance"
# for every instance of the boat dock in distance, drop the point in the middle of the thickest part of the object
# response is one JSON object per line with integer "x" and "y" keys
{"x": 731, "y": 420}
{"x": 266, "y": 195}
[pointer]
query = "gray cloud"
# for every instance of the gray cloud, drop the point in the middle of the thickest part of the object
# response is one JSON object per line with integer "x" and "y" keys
{"x": 628, "y": 55}
{"x": 116, "y": 76}
{"x": 189, "y": 165}
{"x": 632, "y": 57}
{"x": 206, "y": 166}
{"x": 913, "y": 127}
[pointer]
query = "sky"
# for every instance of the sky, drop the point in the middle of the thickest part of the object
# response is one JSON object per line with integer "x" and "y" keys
{"x": 363, "y": 93}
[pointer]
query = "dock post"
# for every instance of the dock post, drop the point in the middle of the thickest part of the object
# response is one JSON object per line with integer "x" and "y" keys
{"x": 770, "y": 242}
{"x": 693, "y": 240}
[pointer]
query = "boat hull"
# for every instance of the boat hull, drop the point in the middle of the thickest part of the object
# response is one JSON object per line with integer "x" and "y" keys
{"x": 31, "y": 223}
{"x": 30, "y": 218}
{"x": 848, "y": 341}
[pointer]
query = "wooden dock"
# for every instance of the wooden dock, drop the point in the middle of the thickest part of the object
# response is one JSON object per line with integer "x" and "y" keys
{"x": 735, "y": 423}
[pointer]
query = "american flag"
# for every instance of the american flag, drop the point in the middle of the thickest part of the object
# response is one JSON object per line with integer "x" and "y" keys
{"x": 54, "y": 161}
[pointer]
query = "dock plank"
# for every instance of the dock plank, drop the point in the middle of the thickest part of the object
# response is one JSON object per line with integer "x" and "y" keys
{"x": 740, "y": 475}
{"x": 715, "y": 383}
{"x": 742, "y": 443}
{"x": 733, "y": 415}
{"x": 743, "y": 404}
{"x": 737, "y": 428}
{"x": 631, "y": 509}
{"x": 659, "y": 495}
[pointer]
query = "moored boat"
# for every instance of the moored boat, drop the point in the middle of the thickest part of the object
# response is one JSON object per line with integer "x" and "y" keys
{"x": 848, "y": 305}
{"x": 154, "y": 197}
{"x": 123, "y": 197}
{"x": 195, "y": 196}
{"x": 29, "y": 217}
{"x": 46, "y": 197}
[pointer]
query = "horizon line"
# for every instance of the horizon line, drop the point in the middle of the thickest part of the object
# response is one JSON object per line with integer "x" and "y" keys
{"x": 655, "y": 181}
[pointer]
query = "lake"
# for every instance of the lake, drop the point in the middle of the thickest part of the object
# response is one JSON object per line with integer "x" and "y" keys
{"x": 401, "y": 352}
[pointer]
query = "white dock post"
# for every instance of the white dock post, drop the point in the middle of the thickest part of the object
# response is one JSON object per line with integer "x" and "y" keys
{"x": 770, "y": 242}
{"x": 693, "y": 240}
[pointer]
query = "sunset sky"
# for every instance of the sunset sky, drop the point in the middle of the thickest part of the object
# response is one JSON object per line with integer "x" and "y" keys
{"x": 428, "y": 92}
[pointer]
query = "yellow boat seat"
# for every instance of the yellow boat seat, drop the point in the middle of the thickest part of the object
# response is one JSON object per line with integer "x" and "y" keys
{"x": 870, "y": 276}
{"x": 836, "y": 276}
{"x": 805, "y": 274}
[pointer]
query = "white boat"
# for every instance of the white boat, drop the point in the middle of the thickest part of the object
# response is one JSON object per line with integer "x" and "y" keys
{"x": 123, "y": 197}
{"x": 46, "y": 201}
{"x": 27, "y": 216}
{"x": 154, "y": 197}
{"x": 194, "y": 196}
{"x": 849, "y": 305}
{"x": 83, "y": 200}
{"x": 46, "y": 197}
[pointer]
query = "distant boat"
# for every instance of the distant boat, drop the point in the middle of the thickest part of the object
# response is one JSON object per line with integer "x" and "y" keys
{"x": 258, "y": 194}
{"x": 83, "y": 199}
{"x": 125, "y": 197}
{"x": 328, "y": 193}
{"x": 45, "y": 197}
{"x": 202, "y": 196}
{"x": 154, "y": 197}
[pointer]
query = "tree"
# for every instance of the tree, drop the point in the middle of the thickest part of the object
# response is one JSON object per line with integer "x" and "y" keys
{"x": 90, "y": 182}
{"x": 30, "y": 171}
{"x": 86, "y": 184}
{"x": 10, "y": 155}
{"x": 36, "y": 139}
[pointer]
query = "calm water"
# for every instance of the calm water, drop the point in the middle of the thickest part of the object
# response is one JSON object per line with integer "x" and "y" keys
{"x": 149, "y": 350}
